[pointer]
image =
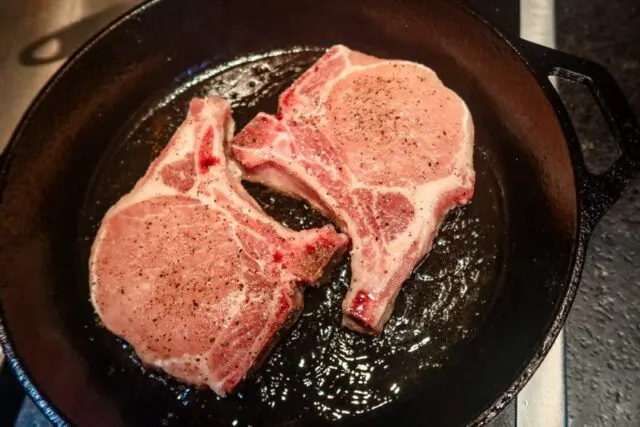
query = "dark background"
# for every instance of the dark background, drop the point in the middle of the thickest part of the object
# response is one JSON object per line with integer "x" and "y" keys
{"x": 603, "y": 333}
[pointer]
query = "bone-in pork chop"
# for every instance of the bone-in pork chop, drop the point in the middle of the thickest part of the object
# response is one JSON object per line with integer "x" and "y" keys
{"x": 190, "y": 271}
{"x": 382, "y": 147}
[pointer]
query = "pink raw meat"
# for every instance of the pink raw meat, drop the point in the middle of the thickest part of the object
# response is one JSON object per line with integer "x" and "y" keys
{"x": 190, "y": 271}
{"x": 380, "y": 146}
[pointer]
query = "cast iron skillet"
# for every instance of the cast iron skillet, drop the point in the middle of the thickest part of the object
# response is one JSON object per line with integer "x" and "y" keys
{"x": 472, "y": 323}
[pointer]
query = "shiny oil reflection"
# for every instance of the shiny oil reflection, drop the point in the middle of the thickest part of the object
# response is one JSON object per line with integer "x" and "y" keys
{"x": 320, "y": 370}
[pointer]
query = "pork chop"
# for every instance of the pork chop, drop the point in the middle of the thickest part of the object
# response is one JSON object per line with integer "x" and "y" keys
{"x": 383, "y": 148}
{"x": 190, "y": 271}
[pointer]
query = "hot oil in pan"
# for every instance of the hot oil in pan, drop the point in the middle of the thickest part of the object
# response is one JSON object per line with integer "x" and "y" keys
{"x": 319, "y": 369}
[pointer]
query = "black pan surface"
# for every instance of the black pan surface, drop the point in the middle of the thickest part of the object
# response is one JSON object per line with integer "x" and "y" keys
{"x": 320, "y": 370}
{"x": 470, "y": 324}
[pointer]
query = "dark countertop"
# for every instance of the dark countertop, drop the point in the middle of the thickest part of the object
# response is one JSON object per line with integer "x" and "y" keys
{"x": 603, "y": 332}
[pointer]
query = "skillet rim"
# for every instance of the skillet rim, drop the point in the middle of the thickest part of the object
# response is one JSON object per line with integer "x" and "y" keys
{"x": 529, "y": 365}
{"x": 46, "y": 405}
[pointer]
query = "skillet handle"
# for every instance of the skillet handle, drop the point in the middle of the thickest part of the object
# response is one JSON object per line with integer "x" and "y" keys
{"x": 599, "y": 191}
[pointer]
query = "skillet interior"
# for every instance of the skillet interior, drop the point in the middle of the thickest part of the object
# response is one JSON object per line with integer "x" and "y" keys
{"x": 480, "y": 305}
